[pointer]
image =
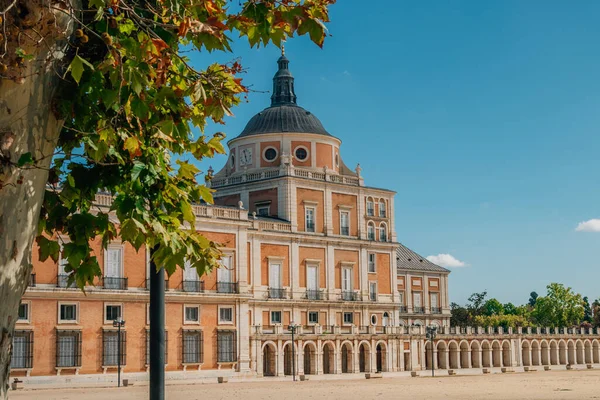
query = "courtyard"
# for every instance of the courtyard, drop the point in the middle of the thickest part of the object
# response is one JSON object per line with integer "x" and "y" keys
{"x": 580, "y": 384}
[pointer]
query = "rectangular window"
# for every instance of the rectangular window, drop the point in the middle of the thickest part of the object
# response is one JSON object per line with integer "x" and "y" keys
{"x": 348, "y": 318}
{"x": 371, "y": 232}
{"x": 344, "y": 223}
{"x": 68, "y": 349}
{"x": 68, "y": 313}
{"x": 22, "y": 350}
{"x": 313, "y": 317}
{"x": 370, "y": 208}
{"x": 346, "y": 279}
{"x": 148, "y": 347}
{"x": 24, "y": 312}
{"x": 263, "y": 211}
{"x": 62, "y": 278}
{"x": 112, "y": 312}
{"x": 373, "y": 291}
{"x": 275, "y": 275}
{"x": 275, "y": 317}
{"x": 382, "y": 212}
{"x": 226, "y": 315}
{"x": 192, "y": 314}
{"x": 401, "y": 298}
{"x": 110, "y": 347}
{"x": 435, "y": 306}
{"x": 417, "y": 303}
{"x": 310, "y": 219}
{"x": 312, "y": 276}
{"x": 192, "y": 347}
{"x": 372, "y": 260}
{"x": 113, "y": 272}
{"x": 226, "y": 346}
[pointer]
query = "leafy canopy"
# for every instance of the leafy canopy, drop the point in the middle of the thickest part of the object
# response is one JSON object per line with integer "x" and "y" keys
{"x": 130, "y": 102}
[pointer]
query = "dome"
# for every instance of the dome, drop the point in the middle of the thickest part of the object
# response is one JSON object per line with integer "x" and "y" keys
{"x": 284, "y": 115}
{"x": 284, "y": 118}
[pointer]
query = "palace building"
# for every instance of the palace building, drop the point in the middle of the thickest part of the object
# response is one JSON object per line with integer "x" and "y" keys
{"x": 308, "y": 244}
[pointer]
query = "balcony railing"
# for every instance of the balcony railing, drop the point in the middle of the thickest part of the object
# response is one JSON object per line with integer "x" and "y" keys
{"x": 111, "y": 282}
{"x": 436, "y": 310}
{"x": 192, "y": 286}
{"x": 166, "y": 284}
{"x": 402, "y": 309}
{"x": 348, "y": 295}
{"x": 419, "y": 310}
{"x": 227, "y": 287}
{"x": 345, "y": 231}
{"x": 32, "y": 280}
{"x": 62, "y": 280}
{"x": 277, "y": 293}
{"x": 310, "y": 227}
{"x": 315, "y": 294}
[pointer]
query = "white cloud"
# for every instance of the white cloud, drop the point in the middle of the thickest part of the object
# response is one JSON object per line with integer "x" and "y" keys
{"x": 346, "y": 73}
{"x": 446, "y": 260}
{"x": 593, "y": 225}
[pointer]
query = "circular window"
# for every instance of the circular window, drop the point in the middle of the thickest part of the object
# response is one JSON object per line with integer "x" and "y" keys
{"x": 301, "y": 153}
{"x": 270, "y": 154}
{"x": 373, "y": 319}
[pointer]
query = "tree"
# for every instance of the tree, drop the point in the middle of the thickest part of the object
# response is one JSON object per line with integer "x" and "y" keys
{"x": 560, "y": 307}
{"x": 532, "y": 298}
{"x": 510, "y": 309}
{"x": 460, "y": 315}
{"x": 96, "y": 95}
{"x": 587, "y": 310}
{"x": 596, "y": 313}
{"x": 476, "y": 302}
{"x": 505, "y": 321}
{"x": 493, "y": 307}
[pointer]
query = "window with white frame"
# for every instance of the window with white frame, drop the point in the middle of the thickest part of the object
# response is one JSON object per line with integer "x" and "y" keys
{"x": 373, "y": 291}
{"x": 346, "y": 279}
{"x": 382, "y": 232}
{"x": 434, "y": 299}
{"x": 382, "y": 210}
{"x": 113, "y": 267}
{"x": 112, "y": 312}
{"x": 386, "y": 319}
{"x": 348, "y": 318}
{"x": 263, "y": 211}
{"x": 371, "y": 231}
{"x": 275, "y": 274}
{"x": 191, "y": 314}
{"x": 225, "y": 282}
{"x": 372, "y": 262}
{"x": 370, "y": 207}
{"x": 67, "y": 313}
{"x": 62, "y": 277}
{"x": 22, "y": 349}
{"x": 309, "y": 218}
{"x": 373, "y": 319}
{"x": 275, "y": 317}
{"x": 24, "y": 310}
{"x": 226, "y": 346}
{"x": 313, "y": 317}
{"x": 417, "y": 302}
{"x": 225, "y": 315}
{"x": 401, "y": 298}
{"x": 344, "y": 223}
{"x": 312, "y": 276}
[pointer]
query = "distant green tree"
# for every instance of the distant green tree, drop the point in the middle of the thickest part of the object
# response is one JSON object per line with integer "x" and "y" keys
{"x": 510, "y": 309}
{"x": 476, "y": 303}
{"x": 459, "y": 315}
{"x": 505, "y": 321}
{"x": 596, "y": 313}
{"x": 587, "y": 310}
{"x": 493, "y": 307}
{"x": 532, "y": 298}
{"x": 560, "y": 307}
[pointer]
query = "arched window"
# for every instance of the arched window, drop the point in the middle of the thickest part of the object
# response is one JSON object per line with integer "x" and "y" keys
{"x": 370, "y": 207}
{"x": 371, "y": 231}
{"x": 383, "y": 232}
{"x": 382, "y": 210}
{"x": 386, "y": 319}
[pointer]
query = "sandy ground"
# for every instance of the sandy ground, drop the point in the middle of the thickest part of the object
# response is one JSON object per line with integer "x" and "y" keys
{"x": 533, "y": 385}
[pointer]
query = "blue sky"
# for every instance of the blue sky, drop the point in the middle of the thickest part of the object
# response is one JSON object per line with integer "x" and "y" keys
{"x": 482, "y": 116}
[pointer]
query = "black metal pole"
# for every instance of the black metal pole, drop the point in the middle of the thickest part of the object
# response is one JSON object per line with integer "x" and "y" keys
{"x": 119, "y": 354}
{"x": 293, "y": 355}
{"x": 157, "y": 331}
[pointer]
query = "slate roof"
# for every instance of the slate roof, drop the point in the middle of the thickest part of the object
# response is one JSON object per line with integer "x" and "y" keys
{"x": 283, "y": 118}
{"x": 406, "y": 259}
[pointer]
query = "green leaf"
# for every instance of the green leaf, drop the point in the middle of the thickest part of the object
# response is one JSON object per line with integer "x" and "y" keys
{"x": 48, "y": 248}
{"x": 26, "y": 158}
{"x": 97, "y": 3}
{"x": 137, "y": 169}
{"x": 188, "y": 214}
{"x": 187, "y": 170}
{"x": 77, "y": 67}
{"x": 126, "y": 26}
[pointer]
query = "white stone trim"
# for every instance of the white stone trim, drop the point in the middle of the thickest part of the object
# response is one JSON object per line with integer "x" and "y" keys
{"x": 109, "y": 303}
{"x": 187, "y": 321}
{"x": 77, "y": 312}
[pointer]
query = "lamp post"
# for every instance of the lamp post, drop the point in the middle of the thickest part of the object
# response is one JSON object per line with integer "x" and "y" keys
{"x": 292, "y": 327}
{"x": 118, "y": 323}
{"x": 431, "y": 332}
{"x": 157, "y": 330}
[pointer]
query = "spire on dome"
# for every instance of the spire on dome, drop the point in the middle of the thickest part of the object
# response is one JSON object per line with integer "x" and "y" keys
{"x": 283, "y": 83}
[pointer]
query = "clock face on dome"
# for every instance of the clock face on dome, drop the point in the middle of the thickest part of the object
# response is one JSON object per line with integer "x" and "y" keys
{"x": 246, "y": 156}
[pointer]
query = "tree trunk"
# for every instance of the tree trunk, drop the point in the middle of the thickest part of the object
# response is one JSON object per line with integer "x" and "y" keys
{"x": 27, "y": 125}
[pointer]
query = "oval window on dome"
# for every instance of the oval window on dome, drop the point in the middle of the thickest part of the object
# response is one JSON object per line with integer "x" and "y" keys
{"x": 270, "y": 154}
{"x": 232, "y": 160}
{"x": 301, "y": 153}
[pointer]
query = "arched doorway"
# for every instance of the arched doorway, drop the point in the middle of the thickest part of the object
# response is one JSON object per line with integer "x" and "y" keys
{"x": 465, "y": 355}
{"x": 454, "y": 354}
{"x": 496, "y": 354}
{"x": 553, "y": 353}
{"x": 269, "y": 360}
{"x": 562, "y": 353}
{"x": 328, "y": 358}
{"x": 588, "y": 352}
{"x": 580, "y": 355}
{"x": 346, "y": 358}
{"x": 381, "y": 357}
{"x": 364, "y": 358}
{"x": 475, "y": 355}
{"x": 525, "y": 353}
{"x": 535, "y": 353}
{"x": 506, "y": 356}
{"x": 287, "y": 359}
{"x": 596, "y": 352}
{"x": 310, "y": 359}
{"x": 428, "y": 355}
{"x": 442, "y": 352}
{"x": 486, "y": 362}
{"x": 545, "y": 353}
{"x": 571, "y": 353}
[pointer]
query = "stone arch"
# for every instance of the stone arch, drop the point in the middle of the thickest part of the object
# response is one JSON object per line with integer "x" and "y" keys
{"x": 465, "y": 354}
{"x": 475, "y": 354}
{"x": 486, "y": 350}
{"x": 454, "y": 355}
{"x": 526, "y": 353}
{"x": 506, "y": 353}
{"x": 417, "y": 322}
{"x": 269, "y": 359}
{"x": 571, "y": 357}
{"x": 545, "y": 352}
{"x": 562, "y": 352}
{"x": 329, "y": 354}
{"x": 364, "y": 356}
{"x": 310, "y": 358}
{"x": 535, "y": 353}
{"x": 596, "y": 352}
{"x": 579, "y": 352}
{"x": 347, "y": 353}
{"x": 496, "y": 354}
{"x": 442, "y": 354}
{"x": 381, "y": 356}
{"x": 290, "y": 358}
{"x": 588, "y": 352}
{"x": 554, "y": 357}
